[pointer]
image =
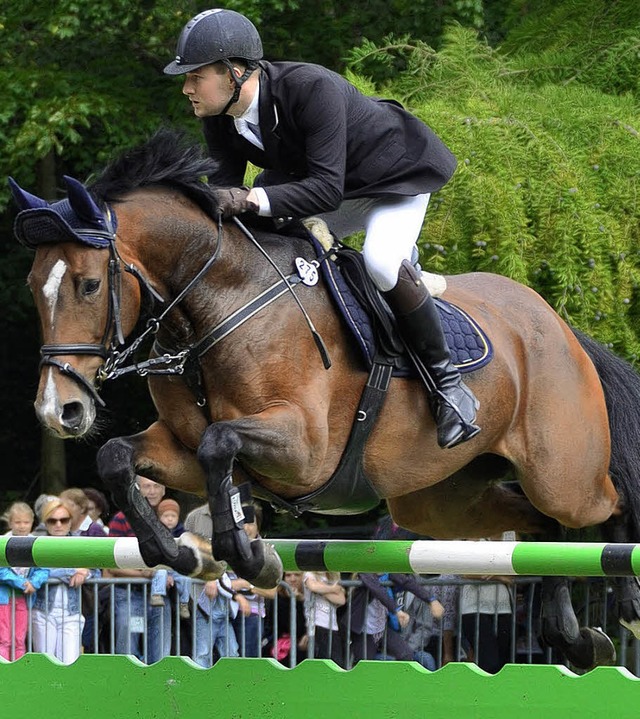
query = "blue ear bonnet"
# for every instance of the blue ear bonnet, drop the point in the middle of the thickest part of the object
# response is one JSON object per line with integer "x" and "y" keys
{"x": 75, "y": 219}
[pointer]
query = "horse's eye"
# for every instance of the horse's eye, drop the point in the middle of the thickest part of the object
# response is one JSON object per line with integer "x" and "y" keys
{"x": 89, "y": 287}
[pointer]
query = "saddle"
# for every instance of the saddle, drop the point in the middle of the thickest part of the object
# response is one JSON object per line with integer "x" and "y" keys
{"x": 371, "y": 323}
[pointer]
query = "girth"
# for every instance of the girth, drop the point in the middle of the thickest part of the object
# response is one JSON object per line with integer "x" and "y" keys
{"x": 348, "y": 491}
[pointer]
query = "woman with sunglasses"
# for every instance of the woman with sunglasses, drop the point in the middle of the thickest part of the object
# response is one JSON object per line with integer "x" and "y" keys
{"x": 57, "y": 617}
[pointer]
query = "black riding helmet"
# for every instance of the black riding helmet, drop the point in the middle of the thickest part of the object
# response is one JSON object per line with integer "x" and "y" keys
{"x": 216, "y": 36}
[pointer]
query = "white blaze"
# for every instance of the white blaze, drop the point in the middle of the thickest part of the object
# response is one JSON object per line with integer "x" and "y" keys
{"x": 50, "y": 407}
{"x": 51, "y": 287}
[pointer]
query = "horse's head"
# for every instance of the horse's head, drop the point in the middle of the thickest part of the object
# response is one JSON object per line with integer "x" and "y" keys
{"x": 76, "y": 283}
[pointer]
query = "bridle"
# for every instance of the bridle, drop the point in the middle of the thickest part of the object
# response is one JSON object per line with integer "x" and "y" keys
{"x": 119, "y": 359}
{"x": 113, "y": 326}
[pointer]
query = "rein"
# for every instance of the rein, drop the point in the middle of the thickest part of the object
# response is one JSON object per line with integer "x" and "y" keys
{"x": 119, "y": 361}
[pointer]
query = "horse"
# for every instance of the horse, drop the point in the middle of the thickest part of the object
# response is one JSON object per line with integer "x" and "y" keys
{"x": 258, "y": 385}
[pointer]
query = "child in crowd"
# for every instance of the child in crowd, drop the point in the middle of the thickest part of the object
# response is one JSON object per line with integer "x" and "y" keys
{"x": 248, "y": 623}
{"x": 18, "y": 586}
{"x": 214, "y": 611}
{"x": 322, "y": 596}
{"x": 286, "y": 624}
{"x": 169, "y": 514}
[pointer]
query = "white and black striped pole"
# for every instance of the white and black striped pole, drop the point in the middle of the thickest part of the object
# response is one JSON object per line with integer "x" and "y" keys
{"x": 575, "y": 559}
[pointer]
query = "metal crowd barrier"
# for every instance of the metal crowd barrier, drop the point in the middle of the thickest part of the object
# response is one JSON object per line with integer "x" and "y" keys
{"x": 155, "y": 632}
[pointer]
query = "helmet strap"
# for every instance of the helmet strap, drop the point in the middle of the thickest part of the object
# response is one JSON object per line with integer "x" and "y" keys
{"x": 238, "y": 81}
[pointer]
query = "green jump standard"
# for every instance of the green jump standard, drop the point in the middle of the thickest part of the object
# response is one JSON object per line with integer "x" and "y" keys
{"x": 124, "y": 688}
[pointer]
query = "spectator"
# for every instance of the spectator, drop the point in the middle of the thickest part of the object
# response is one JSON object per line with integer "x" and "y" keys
{"x": 81, "y": 523}
{"x": 322, "y": 595}
{"x": 442, "y": 644}
{"x": 486, "y": 620}
{"x": 40, "y": 528}
{"x": 288, "y": 604}
{"x": 249, "y": 622}
{"x": 418, "y": 631}
{"x": 169, "y": 515}
{"x": 372, "y": 605}
{"x": 19, "y": 517}
{"x": 18, "y": 586}
{"x": 98, "y": 506}
{"x": 216, "y": 606}
{"x": 57, "y": 620}
{"x": 131, "y": 609}
{"x": 214, "y": 631}
{"x": 486, "y": 609}
{"x": 199, "y": 521}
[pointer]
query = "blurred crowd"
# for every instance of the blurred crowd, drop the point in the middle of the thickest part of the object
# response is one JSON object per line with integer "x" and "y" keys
{"x": 157, "y": 612}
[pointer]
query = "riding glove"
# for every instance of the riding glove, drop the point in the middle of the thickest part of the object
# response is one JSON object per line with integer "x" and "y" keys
{"x": 233, "y": 201}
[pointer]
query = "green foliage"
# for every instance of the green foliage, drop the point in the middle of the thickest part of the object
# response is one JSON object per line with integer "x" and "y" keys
{"x": 81, "y": 80}
{"x": 546, "y": 190}
{"x": 593, "y": 42}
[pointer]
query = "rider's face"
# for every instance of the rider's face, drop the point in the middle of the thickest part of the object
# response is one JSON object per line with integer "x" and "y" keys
{"x": 209, "y": 89}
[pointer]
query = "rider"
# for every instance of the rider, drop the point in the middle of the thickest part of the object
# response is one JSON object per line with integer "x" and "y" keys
{"x": 356, "y": 161}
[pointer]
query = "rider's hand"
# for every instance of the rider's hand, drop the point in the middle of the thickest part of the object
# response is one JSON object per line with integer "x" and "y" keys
{"x": 234, "y": 201}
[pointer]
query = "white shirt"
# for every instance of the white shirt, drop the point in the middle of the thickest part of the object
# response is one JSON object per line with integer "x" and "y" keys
{"x": 320, "y": 612}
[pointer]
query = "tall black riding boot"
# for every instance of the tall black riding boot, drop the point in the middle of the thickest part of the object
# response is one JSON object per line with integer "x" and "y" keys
{"x": 453, "y": 404}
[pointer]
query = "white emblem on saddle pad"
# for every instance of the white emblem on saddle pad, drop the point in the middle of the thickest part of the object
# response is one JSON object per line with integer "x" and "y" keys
{"x": 308, "y": 273}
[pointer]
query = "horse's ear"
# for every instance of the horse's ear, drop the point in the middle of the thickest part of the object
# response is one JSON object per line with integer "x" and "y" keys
{"x": 82, "y": 203}
{"x": 25, "y": 200}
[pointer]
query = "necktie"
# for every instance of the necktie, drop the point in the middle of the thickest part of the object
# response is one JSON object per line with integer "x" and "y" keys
{"x": 250, "y": 132}
{"x": 255, "y": 129}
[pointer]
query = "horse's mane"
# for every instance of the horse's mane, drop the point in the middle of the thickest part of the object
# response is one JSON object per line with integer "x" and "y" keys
{"x": 168, "y": 158}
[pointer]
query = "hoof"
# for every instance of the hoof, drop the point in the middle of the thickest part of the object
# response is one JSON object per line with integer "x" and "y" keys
{"x": 633, "y": 627}
{"x": 596, "y": 649}
{"x": 272, "y": 571}
{"x": 207, "y": 567}
{"x": 265, "y": 569}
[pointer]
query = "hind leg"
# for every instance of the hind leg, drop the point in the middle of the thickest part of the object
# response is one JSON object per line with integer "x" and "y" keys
{"x": 585, "y": 647}
{"x": 156, "y": 454}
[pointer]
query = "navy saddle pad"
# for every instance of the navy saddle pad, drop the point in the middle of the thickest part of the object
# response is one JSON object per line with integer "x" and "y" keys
{"x": 469, "y": 346}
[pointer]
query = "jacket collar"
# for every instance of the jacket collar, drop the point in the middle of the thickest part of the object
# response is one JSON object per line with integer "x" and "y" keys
{"x": 269, "y": 119}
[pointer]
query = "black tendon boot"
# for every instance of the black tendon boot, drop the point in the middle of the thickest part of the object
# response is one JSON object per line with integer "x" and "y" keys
{"x": 453, "y": 404}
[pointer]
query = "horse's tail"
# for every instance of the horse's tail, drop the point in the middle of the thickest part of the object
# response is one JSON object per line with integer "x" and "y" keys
{"x": 621, "y": 386}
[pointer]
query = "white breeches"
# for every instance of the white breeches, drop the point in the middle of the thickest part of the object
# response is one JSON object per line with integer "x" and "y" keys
{"x": 392, "y": 226}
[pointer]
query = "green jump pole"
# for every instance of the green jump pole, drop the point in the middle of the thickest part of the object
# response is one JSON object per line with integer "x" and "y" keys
{"x": 421, "y": 556}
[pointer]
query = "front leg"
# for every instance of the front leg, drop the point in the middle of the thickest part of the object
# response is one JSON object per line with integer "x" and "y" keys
{"x": 156, "y": 454}
{"x": 255, "y": 561}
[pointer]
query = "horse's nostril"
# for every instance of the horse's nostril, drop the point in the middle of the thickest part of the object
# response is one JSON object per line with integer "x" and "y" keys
{"x": 72, "y": 415}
